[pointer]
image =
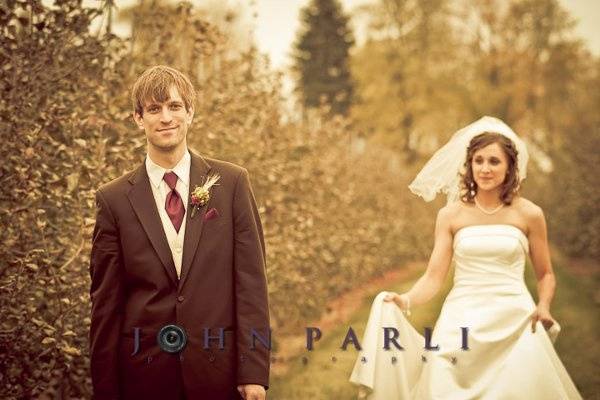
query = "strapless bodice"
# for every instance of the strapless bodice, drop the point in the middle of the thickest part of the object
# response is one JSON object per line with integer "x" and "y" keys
{"x": 489, "y": 254}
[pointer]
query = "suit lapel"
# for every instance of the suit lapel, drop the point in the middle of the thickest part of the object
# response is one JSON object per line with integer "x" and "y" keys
{"x": 144, "y": 205}
{"x": 193, "y": 226}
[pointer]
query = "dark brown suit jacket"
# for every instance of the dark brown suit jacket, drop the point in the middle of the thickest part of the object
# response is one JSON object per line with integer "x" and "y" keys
{"x": 135, "y": 285}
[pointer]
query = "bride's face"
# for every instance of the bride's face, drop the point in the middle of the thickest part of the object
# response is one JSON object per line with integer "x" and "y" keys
{"x": 490, "y": 166}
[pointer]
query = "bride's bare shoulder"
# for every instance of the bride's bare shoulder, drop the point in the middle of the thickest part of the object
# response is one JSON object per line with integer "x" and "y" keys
{"x": 450, "y": 212}
{"x": 452, "y": 208}
{"x": 527, "y": 208}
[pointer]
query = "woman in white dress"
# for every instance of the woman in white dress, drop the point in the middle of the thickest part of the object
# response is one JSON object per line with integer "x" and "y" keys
{"x": 491, "y": 341}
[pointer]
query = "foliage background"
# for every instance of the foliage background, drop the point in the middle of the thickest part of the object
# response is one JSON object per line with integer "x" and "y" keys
{"x": 331, "y": 189}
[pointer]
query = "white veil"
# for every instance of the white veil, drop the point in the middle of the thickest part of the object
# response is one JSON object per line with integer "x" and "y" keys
{"x": 442, "y": 171}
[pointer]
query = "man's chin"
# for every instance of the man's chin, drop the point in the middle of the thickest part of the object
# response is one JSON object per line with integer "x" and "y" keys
{"x": 166, "y": 147}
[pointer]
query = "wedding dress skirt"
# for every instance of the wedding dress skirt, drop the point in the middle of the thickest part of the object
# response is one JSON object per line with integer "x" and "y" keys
{"x": 504, "y": 360}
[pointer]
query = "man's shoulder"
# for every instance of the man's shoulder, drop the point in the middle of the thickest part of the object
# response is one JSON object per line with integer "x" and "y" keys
{"x": 224, "y": 167}
{"x": 118, "y": 185}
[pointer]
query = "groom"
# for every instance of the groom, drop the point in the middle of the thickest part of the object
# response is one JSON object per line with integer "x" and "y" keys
{"x": 179, "y": 294}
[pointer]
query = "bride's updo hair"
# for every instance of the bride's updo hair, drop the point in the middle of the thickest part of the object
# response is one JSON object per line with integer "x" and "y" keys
{"x": 510, "y": 186}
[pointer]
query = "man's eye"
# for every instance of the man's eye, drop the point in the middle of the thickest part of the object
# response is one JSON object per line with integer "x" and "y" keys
{"x": 153, "y": 109}
{"x": 175, "y": 106}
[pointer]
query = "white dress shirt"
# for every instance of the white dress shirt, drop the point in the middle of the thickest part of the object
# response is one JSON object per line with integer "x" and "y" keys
{"x": 160, "y": 189}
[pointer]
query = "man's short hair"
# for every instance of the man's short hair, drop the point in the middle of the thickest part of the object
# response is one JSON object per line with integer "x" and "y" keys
{"x": 154, "y": 85}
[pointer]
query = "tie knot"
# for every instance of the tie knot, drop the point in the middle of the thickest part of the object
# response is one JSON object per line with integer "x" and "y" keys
{"x": 171, "y": 179}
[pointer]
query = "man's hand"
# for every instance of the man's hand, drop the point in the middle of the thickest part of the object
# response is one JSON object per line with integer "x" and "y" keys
{"x": 252, "y": 392}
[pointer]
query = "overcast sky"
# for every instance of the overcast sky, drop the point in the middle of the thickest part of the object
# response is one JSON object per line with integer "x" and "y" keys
{"x": 277, "y": 24}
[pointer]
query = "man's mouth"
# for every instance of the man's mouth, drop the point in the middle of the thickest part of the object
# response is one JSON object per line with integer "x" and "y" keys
{"x": 167, "y": 129}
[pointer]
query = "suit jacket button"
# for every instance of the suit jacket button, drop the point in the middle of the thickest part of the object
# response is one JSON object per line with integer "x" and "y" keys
{"x": 180, "y": 299}
{"x": 211, "y": 358}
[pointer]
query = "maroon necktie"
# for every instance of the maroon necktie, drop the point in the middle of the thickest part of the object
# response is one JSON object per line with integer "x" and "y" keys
{"x": 174, "y": 204}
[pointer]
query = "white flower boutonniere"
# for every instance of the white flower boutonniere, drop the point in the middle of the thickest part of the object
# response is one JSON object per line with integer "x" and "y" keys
{"x": 201, "y": 194}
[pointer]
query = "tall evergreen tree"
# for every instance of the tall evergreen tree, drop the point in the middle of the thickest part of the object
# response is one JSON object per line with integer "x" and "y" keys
{"x": 322, "y": 56}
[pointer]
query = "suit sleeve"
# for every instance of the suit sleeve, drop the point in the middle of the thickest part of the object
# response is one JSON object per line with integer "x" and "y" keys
{"x": 106, "y": 293}
{"x": 252, "y": 308}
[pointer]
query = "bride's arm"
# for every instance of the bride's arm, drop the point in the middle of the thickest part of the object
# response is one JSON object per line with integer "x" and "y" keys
{"x": 540, "y": 258}
{"x": 430, "y": 283}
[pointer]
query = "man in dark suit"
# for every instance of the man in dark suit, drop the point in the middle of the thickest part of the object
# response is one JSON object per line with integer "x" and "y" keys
{"x": 177, "y": 242}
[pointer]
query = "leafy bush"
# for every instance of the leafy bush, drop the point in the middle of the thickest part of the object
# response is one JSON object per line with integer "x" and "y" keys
{"x": 332, "y": 216}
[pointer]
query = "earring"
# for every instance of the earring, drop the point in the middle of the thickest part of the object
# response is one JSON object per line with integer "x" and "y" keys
{"x": 472, "y": 186}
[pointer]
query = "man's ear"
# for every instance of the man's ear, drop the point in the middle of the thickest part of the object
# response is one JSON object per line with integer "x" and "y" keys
{"x": 139, "y": 120}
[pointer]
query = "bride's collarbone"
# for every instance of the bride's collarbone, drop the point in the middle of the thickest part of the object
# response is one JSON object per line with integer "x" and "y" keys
{"x": 469, "y": 215}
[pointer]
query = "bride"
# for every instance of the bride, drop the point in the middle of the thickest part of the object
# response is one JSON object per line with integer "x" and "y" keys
{"x": 491, "y": 341}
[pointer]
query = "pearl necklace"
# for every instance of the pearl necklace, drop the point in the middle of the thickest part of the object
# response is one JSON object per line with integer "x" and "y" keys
{"x": 483, "y": 210}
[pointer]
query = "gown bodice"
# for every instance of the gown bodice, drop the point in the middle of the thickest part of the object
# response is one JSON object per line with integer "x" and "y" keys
{"x": 490, "y": 253}
{"x": 489, "y": 260}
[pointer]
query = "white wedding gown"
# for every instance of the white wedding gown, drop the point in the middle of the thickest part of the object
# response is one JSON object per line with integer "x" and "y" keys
{"x": 505, "y": 359}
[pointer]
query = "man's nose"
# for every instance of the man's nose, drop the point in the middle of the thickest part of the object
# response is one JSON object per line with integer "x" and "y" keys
{"x": 165, "y": 115}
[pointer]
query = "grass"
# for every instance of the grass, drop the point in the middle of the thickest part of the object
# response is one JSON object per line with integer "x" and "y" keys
{"x": 314, "y": 374}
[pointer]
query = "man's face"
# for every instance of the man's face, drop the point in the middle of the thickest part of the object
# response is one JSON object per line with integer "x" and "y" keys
{"x": 166, "y": 123}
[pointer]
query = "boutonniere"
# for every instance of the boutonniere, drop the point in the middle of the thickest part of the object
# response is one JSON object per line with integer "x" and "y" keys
{"x": 201, "y": 194}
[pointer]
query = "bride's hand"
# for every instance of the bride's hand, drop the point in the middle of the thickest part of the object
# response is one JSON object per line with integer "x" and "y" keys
{"x": 542, "y": 314}
{"x": 401, "y": 300}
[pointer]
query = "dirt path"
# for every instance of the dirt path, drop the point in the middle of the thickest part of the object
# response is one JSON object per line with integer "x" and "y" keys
{"x": 339, "y": 311}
